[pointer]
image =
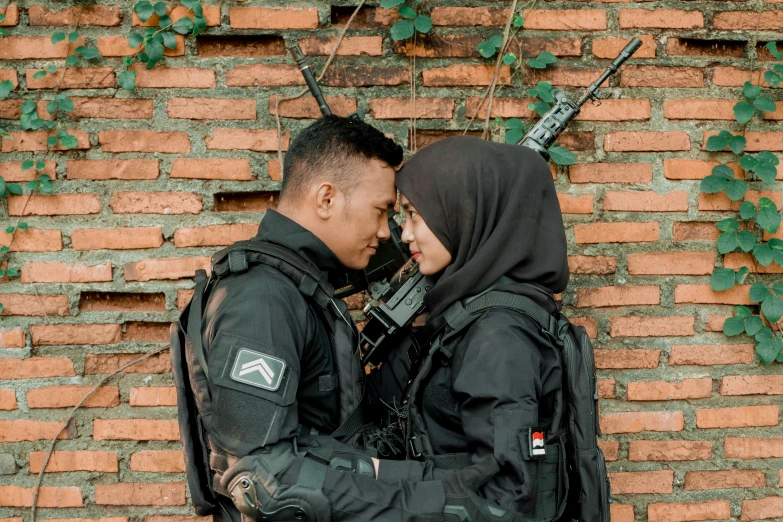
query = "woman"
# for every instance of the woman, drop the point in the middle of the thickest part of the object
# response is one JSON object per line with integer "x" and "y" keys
{"x": 485, "y": 216}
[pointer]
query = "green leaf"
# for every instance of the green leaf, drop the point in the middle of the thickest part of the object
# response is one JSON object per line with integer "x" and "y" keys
{"x": 199, "y": 23}
{"x": 402, "y": 30}
{"x": 66, "y": 105}
{"x": 513, "y": 136}
{"x": 713, "y": 184}
{"x": 741, "y": 274}
{"x": 758, "y": 292}
{"x": 737, "y": 144}
{"x": 764, "y": 104}
{"x": 509, "y": 59}
{"x": 496, "y": 40}
{"x": 71, "y": 60}
{"x": 423, "y": 23}
{"x": 514, "y": 123}
{"x": 723, "y": 171}
{"x": 135, "y": 40}
{"x": 753, "y": 325}
{"x": 169, "y": 40}
{"x": 772, "y": 48}
{"x": 746, "y": 240}
{"x": 58, "y": 37}
{"x": 28, "y": 164}
{"x": 185, "y": 25}
{"x": 719, "y": 142}
{"x": 407, "y": 12}
{"x": 748, "y": 162}
{"x": 743, "y": 112}
{"x": 51, "y": 141}
{"x": 164, "y": 22}
{"x": 748, "y": 210}
{"x": 540, "y": 107}
{"x": 389, "y": 4}
{"x": 22, "y": 225}
{"x": 52, "y": 69}
{"x": 561, "y": 155}
{"x": 518, "y": 22}
{"x": 90, "y": 54}
{"x": 763, "y": 254}
{"x": 28, "y": 107}
{"x": 144, "y": 10}
{"x": 736, "y": 189}
{"x": 722, "y": 279}
{"x": 486, "y": 49}
{"x": 40, "y": 74}
{"x": 727, "y": 225}
{"x": 734, "y": 326}
{"x": 14, "y": 189}
{"x": 51, "y": 107}
{"x": 72, "y": 37}
{"x": 769, "y": 350}
{"x": 772, "y": 308}
{"x": 775, "y": 243}
{"x": 544, "y": 91}
{"x": 768, "y": 218}
{"x": 535, "y": 64}
{"x": 547, "y": 58}
{"x": 766, "y": 172}
{"x": 778, "y": 288}
{"x": 154, "y": 51}
{"x": 751, "y": 91}
{"x": 10, "y": 230}
{"x": 743, "y": 311}
{"x": 5, "y": 89}
{"x": 70, "y": 142}
{"x": 773, "y": 78}
{"x": 728, "y": 242}
{"x": 160, "y": 8}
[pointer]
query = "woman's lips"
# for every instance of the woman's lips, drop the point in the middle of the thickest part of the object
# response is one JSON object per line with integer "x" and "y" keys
{"x": 416, "y": 255}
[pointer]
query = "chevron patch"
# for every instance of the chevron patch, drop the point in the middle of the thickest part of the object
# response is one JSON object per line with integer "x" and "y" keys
{"x": 258, "y": 369}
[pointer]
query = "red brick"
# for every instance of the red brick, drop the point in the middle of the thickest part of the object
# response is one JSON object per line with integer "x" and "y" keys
{"x": 610, "y": 173}
{"x": 146, "y": 331}
{"x": 611, "y": 46}
{"x": 11, "y": 13}
{"x": 452, "y": 46}
{"x": 672, "y": 326}
{"x": 660, "y": 19}
{"x": 720, "y": 202}
{"x": 155, "y": 203}
{"x": 469, "y": 16}
{"x": 122, "y": 302}
{"x": 82, "y": 15}
{"x": 48, "y": 496}
{"x": 752, "y": 384}
{"x": 116, "y": 238}
{"x": 711, "y": 355}
{"x": 101, "y": 170}
{"x": 688, "y": 511}
{"x": 38, "y": 272}
{"x": 749, "y": 448}
{"x": 669, "y": 450}
{"x": 7, "y": 400}
{"x": 464, "y": 75}
{"x": 404, "y": 108}
{"x": 164, "y": 461}
{"x": 566, "y": 20}
{"x": 576, "y": 204}
{"x": 616, "y": 232}
{"x": 258, "y": 140}
{"x": 704, "y": 294}
{"x": 153, "y": 396}
{"x": 140, "y": 494}
{"x": 629, "y": 109}
{"x": 273, "y": 18}
{"x": 183, "y": 298}
{"x": 656, "y": 76}
{"x": 704, "y": 48}
{"x": 635, "y": 141}
{"x": 736, "y": 77}
{"x": 694, "y": 169}
{"x": 749, "y": 20}
{"x": 264, "y": 75}
{"x": 738, "y": 260}
{"x": 67, "y": 396}
{"x": 212, "y": 108}
{"x": 35, "y": 141}
{"x": 588, "y": 323}
{"x": 34, "y": 47}
{"x": 144, "y": 141}
{"x": 739, "y": 417}
{"x": 757, "y": 141}
{"x": 637, "y": 482}
{"x": 366, "y": 76}
{"x": 135, "y": 429}
{"x": 165, "y": 268}
{"x": 618, "y": 296}
{"x": 667, "y": 390}
{"x": 211, "y": 15}
{"x": 607, "y": 388}
{"x": 646, "y": 201}
{"x": 621, "y": 512}
{"x": 12, "y": 170}
{"x": 175, "y": 77}
{"x": 54, "y": 205}
{"x": 12, "y": 338}
{"x": 501, "y": 107}
{"x": 35, "y": 304}
{"x": 635, "y": 422}
{"x": 96, "y": 364}
{"x": 610, "y": 449}
{"x": 671, "y": 263}
{"x": 350, "y": 46}
{"x": 592, "y": 264}
{"x": 769, "y": 507}
{"x": 10, "y": 75}
{"x": 307, "y": 107}
{"x": 27, "y": 430}
{"x": 73, "y": 334}
{"x": 36, "y": 368}
{"x": 724, "y": 479}
{"x": 214, "y": 235}
{"x": 695, "y": 109}
{"x": 118, "y": 45}
{"x": 73, "y": 78}
{"x": 567, "y": 76}
{"x": 627, "y": 359}
{"x": 715, "y": 322}
{"x": 62, "y": 461}
{"x": 693, "y": 231}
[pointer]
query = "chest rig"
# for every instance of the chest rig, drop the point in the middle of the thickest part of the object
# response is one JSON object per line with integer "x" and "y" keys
{"x": 204, "y": 461}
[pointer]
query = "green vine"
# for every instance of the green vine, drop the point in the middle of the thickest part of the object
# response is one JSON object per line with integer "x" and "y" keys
{"x": 744, "y": 234}
{"x": 413, "y": 20}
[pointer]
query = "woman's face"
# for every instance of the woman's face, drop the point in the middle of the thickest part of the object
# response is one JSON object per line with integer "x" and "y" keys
{"x": 426, "y": 248}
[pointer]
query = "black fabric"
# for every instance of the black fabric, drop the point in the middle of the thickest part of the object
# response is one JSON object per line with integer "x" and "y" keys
{"x": 494, "y": 207}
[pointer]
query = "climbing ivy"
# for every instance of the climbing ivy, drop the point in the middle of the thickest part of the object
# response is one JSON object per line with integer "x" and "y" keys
{"x": 746, "y": 233}
{"x": 412, "y": 19}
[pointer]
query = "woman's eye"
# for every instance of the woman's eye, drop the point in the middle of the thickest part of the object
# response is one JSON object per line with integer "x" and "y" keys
{"x": 411, "y": 214}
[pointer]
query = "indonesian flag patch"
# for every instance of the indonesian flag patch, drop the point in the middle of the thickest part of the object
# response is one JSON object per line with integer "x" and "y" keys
{"x": 535, "y": 441}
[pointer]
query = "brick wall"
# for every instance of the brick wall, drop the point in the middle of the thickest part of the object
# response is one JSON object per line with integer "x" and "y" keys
{"x": 164, "y": 176}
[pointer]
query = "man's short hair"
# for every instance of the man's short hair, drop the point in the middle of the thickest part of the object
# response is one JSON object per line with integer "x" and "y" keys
{"x": 325, "y": 150}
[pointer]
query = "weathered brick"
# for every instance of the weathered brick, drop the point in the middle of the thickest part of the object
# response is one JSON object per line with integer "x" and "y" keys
{"x": 34, "y": 47}
{"x": 720, "y": 202}
{"x": 636, "y": 422}
{"x": 705, "y": 48}
{"x": 688, "y": 511}
{"x": 464, "y": 75}
{"x": 567, "y": 76}
{"x": 695, "y": 109}
{"x": 273, "y": 18}
{"x": 165, "y": 268}
{"x": 140, "y": 494}
{"x": 694, "y": 231}
{"x": 610, "y": 173}
{"x": 566, "y": 19}
{"x": 264, "y": 75}
{"x": 456, "y": 46}
{"x": 629, "y": 109}
{"x": 404, "y": 108}
{"x": 155, "y": 203}
{"x": 736, "y": 77}
{"x": 592, "y": 264}
{"x": 711, "y": 355}
{"x": 724, "y": 479}
{"x": 54, "y": 205}
{"x": 74, "y": 334}
{"x": 212, "y": 108}
{"x": 144, "y": 141}
{"x": 96, "y": 364}
{"x": 211, "y": 15}
{"x": 118, "y": 45}
{"x": 756, "y": 141}
{"x": 607, "y": 388}
{"x": 469, "y": 16}
{"x": 611, "y": 46}
{"x": 67, "y": 396}
{"x": 48, "y": 497}
{"x": 638, "y": 482}
{"x": 704, "y": 294}
{"x": 64, "y": 461}
{"x": 738, "y": 417}
{"x": 258, "y": 140}
{"x": 665, "y": 390}
{"x": 646, "y": 201}
{"x": 616, "y": 232}
{"x": 35, "y": 141}
{"x": 661, "y": 76}
{"x": 610, "y": 449}
{"x": 769, "y": 507}
{"x": 11, "y": 13}
{"x": 588, "y": 323}
{"x": 135, "y": 429}
{"x": 153, "y": 396}
{"x": 176, "y": 518}
{"x": 669, "y": 450}
{"x": 35, "y": 304}
{"x": 660, "y": 19}
{"x": 40, "y": 272}
{"x": 146, "y": 331}
{"x": 163, "y": 461}
{"x": 105, "y": 16}
{"x": 14, "y": 338}
{"x": 214, "y": 235}
{"x": 122, "y": 302}
{"x": 752, "y": 384}
{"x": 621, "y": 512}
{"x": 738, "y": 260}
{"x": 671, "y": 263}
{"x": 748, "y": 20}
{"x": 7, "y": 400}
{"x": 652, "y": 141}
{"x": 175, "y": 78}
{"x": 576, "y": 203}
{"x": 350, "y": 46}
{"x": 694, "y": 169}
{"x": 307, "y": 107}
{"x": 751, "y": 448}
{"x": 73, "y": 78}
{"x": 183, "y": 298}
{"x": 237, "y": 169}
{"x": 101, "y": 170}
{"x": 27, "y": 430}
{"x": 12, "y": 170}
{"x": 618, "y": 296}
{"x": 116, "y": 238}
{"x": 672, "y": 326}
{"x": 35, "y": 368}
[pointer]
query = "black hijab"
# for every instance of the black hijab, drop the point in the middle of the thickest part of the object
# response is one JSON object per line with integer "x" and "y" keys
{"x": 494, "y": 207}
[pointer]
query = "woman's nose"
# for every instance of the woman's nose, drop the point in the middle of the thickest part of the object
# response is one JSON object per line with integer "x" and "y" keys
{"x": 407, "y": 234}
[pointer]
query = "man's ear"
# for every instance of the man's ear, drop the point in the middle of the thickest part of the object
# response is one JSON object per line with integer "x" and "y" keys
{"x": 324, "y": 199}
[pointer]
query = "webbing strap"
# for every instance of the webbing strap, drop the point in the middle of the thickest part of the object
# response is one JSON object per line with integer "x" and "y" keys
{"x": 195, "y": 316}
{"x": 450, "y": 460}
{"x": 312, "y": 474}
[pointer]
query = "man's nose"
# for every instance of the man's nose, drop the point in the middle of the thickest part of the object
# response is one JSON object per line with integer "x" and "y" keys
{"x": 384, "y": 233}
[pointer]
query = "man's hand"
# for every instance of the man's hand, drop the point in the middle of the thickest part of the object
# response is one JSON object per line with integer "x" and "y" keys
{"x": 463, "y": 504}
{"x": 377, "y": 465}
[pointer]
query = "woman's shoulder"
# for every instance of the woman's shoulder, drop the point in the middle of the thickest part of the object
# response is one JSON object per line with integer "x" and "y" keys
{"x": 502, "y": 328}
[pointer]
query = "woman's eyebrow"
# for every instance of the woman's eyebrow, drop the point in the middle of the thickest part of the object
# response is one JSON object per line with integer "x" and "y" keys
{"x": 407, "y": 206}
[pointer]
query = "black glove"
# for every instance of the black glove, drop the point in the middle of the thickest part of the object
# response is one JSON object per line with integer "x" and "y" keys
{"x": 463, "y": 504}
{"x": 259, "y": 496}
{"x": 337, "y": 455}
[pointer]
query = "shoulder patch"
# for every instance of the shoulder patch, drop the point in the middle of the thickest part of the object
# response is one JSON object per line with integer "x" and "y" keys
{"x": 258, "y": 369}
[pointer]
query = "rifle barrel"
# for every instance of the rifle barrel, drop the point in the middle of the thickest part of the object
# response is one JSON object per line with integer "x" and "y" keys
{"x": 626, "y": 53}
{"x": 310, "y": 80}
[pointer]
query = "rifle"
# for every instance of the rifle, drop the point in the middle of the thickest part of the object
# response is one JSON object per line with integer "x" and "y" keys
{"x": 398, "y": 298}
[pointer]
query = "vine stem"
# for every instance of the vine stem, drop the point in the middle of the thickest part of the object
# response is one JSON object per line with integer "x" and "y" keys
{"x": 498, "y": 63}
{"x": 320, "y": 76}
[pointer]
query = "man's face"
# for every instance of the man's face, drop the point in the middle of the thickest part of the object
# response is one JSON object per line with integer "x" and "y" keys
{"x": 361, "y": 218}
